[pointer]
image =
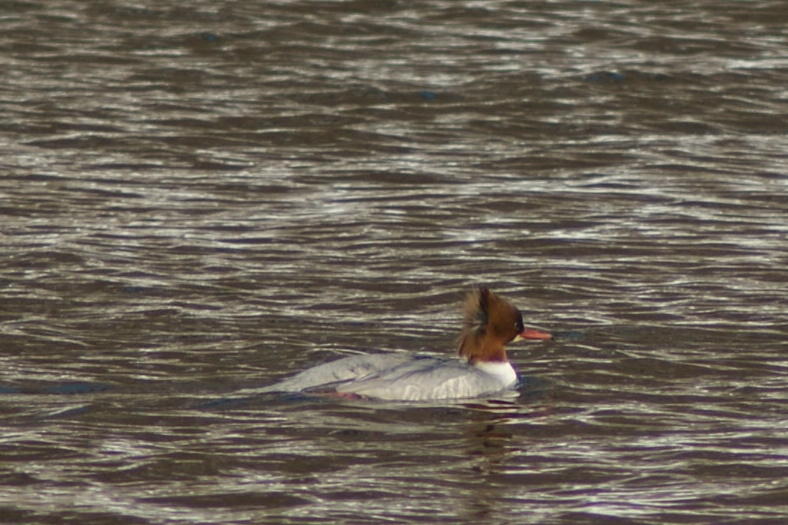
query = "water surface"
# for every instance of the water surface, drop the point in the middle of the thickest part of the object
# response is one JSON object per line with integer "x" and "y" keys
{"x": 199, "y": 199}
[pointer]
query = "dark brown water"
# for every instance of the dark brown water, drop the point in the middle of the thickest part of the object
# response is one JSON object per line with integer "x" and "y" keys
{"x": 202, "y": 197}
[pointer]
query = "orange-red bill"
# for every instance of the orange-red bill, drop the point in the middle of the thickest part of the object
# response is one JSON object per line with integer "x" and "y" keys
{"x": 530, "y": 333}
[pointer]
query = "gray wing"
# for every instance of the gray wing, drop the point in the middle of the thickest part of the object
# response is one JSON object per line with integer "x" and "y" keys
{"x": 423, "y": 380}
{"x": 341, "y": 370}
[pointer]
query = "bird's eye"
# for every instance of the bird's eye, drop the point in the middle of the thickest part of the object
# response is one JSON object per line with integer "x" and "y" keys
{"x": 518, "y": 323}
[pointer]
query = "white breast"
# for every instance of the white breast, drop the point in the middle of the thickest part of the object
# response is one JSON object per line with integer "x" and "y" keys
{"x": 502, "y": 372}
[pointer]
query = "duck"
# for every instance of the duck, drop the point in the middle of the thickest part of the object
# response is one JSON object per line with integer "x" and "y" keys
{"x": 480, "y": 367}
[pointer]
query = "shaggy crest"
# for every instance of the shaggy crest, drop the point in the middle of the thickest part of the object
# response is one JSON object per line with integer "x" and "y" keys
{"x": 490, "y": 322}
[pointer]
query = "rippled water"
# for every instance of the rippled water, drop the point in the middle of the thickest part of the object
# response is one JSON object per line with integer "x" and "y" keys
{"x": 202, "y": 198}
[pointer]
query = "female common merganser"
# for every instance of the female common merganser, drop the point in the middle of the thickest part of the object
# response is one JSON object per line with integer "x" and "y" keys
{"x": 482, "y": 368}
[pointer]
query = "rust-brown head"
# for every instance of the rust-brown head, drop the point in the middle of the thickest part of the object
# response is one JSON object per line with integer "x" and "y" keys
{"x": 490, "y": 323}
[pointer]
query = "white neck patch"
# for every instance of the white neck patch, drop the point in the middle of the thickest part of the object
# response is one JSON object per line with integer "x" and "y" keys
{"x": 503, "y": 372}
